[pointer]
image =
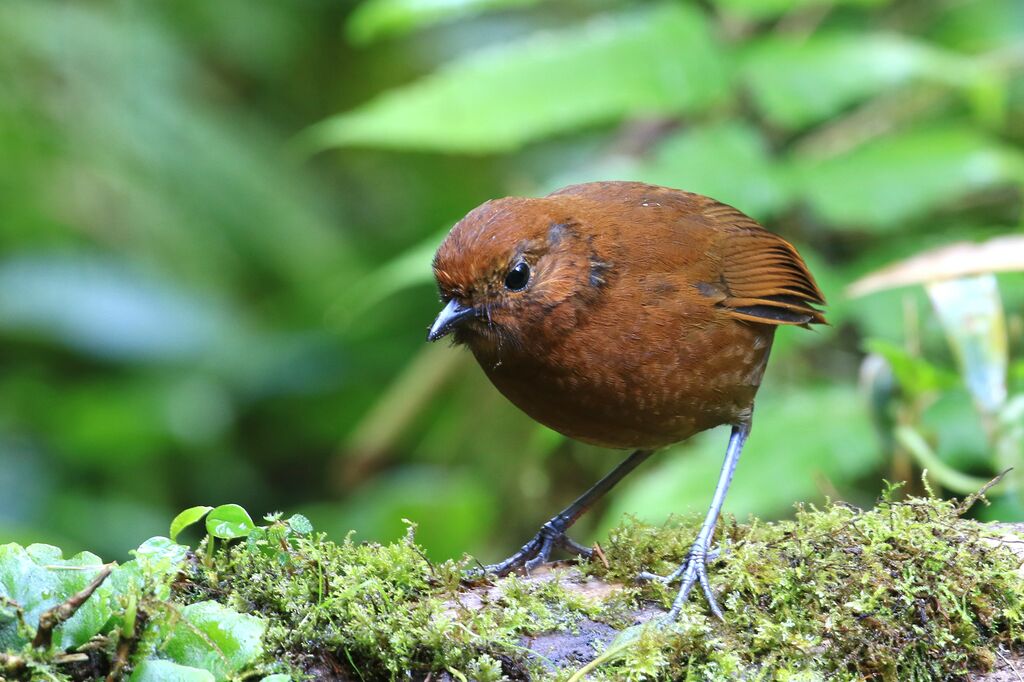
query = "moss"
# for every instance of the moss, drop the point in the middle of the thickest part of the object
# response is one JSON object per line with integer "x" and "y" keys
{"x": 906, "y": 591}
{"x": 380, "y": 611}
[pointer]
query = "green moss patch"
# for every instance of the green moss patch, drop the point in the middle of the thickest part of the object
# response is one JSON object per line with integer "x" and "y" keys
{"x": 906, "y": 591}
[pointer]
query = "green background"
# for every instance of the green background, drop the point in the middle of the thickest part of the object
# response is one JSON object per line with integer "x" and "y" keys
{"x": 217, "y": 219}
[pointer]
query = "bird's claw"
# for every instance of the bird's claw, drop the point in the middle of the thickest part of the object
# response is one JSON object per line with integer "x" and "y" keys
{"x": 692, "y": 571}
{"x": 534, "y": 553}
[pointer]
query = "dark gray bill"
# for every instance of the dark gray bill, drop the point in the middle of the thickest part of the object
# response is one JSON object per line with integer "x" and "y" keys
{"x": 448, "y": 319}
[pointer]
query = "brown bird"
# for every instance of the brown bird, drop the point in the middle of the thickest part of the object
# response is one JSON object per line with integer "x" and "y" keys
{"x": 624, "y": 315}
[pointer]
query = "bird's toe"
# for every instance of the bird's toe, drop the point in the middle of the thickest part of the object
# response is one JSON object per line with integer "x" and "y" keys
{"x": 691, "y": 572}
{"x": 534, "y": 554}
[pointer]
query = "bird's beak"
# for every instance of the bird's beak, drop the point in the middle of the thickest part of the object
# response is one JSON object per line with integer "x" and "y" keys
{"x": 448, "y": 319}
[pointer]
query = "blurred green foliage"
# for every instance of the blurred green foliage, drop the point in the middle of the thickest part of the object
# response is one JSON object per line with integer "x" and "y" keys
{"x": 216, "y": 221}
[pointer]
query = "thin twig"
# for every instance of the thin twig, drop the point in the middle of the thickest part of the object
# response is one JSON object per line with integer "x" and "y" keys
{"x": 599, "y": 553}
{"x": 974, "y": 497}
{"x": 53, "y": 617}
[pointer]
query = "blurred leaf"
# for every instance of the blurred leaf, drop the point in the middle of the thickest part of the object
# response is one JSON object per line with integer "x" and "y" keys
{"x": 111, "y": 424}
{"x": 127, "y": 154}
{"x": 215, "y": 638}
{"x": 1009, "y": 438}
{"x": 726, "y": 161}
{"x": 798, "y": 439}
{"x": 914, "y": 374}
{"x": 187, "y": 518}
{"x": 764, "y": 9}
{"x": 166, "y": 671}
{"x": 112, "y": 521}
{"x": 229, "y": 521}
{"x": 946, "y": 475}
{"x": 375, "y": 19}
{"x": 277, "y": 677}
{"x": 971, "y": 314}
{"x": 100, "y": 307}
{"x": 38, "y": 578}
{"x": 1000, "y": 254}
{"x": 799, "y": 81}
{"x": 660, "y": 61}
{"x": 398, "y": 404}
{"x": 906, "y": 175}
{"x": 958, "y": 436}
{"x": 407, "y": 269}
{"x": 980, "y": 25}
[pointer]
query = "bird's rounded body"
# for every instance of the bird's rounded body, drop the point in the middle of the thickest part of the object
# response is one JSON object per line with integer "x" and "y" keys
{"x": 615, "y": 386}
{"x": 648, "y": 317}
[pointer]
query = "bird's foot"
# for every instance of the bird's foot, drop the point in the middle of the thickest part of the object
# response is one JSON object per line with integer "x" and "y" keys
{"x": 692, "y": 571}
{"x": 534, "y": 553}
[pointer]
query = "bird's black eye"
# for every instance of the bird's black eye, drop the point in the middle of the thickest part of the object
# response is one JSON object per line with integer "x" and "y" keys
{"x": 517, "y": 277}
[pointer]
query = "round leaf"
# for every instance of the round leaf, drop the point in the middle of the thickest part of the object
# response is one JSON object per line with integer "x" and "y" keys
{"x": 229, "y": 521}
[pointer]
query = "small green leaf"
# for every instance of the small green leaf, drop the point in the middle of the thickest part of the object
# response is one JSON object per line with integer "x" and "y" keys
{"x": 167, "y": 671}
{"x": 215, "y": 638}
{"x": 187, "y": 518}
{"x": 277, "y": 677}
{"x": 300, "y": 524}
{"x": 661, "y": 61}
{"x": 229, "y": 521}
{"x": 157, "y": 562}
{"x": 161, "y": 551}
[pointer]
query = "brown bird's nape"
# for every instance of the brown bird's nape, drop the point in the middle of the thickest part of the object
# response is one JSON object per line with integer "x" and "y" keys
{"x": 624, "y": 315}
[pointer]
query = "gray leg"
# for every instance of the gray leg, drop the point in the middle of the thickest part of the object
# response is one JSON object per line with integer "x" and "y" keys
{"x": 553, "y": 533}
{"x": 694, "y": 569}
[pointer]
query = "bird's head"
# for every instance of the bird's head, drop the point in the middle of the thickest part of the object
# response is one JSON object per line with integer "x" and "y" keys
{"x": 514, "y": 269}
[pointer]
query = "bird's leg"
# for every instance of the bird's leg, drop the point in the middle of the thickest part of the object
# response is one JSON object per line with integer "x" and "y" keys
{"x": 694, "y": 569}
{"x": 552, "y": 533}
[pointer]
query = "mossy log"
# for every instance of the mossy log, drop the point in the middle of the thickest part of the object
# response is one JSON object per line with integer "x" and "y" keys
{"x": 908, "y": 590}
{"x": 572, "y": 648}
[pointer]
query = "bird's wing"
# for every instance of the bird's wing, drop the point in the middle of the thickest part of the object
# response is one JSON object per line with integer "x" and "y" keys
{"x": 762, "y": 277}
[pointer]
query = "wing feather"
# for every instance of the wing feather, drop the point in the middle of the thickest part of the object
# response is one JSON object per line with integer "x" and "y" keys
{"x": 762, "y": 276}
